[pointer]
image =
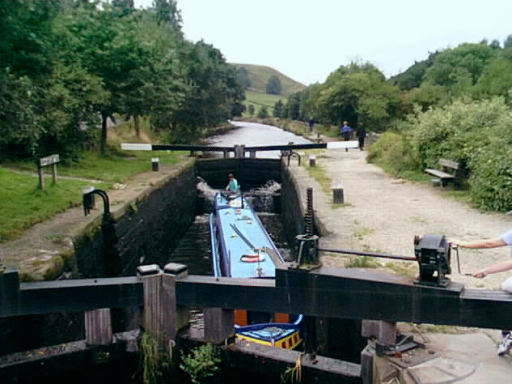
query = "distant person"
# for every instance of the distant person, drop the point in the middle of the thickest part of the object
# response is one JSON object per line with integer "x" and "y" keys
{"x": 361, "y": 135}
{"x": 346, "y": 132}
{"x": 311, "y": 124}
{"x": 233, "y": 184}
{"x": 505, "y": 344}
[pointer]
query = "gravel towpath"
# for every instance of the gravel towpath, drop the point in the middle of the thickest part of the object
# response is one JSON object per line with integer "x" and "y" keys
{"x": 383, "y": 214}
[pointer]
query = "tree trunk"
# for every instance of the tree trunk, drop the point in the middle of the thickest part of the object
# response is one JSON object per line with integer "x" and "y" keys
{"x": 103, "y": 142}
{"x": 136, "y": 124}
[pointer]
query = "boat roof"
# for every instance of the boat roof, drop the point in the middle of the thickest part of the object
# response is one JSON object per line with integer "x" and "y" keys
{"x": 243, "y": 240}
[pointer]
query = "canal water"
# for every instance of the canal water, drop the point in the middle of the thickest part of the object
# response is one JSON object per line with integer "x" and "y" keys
{"x": 193, "y": 249}
{"x": 255, "y": 134}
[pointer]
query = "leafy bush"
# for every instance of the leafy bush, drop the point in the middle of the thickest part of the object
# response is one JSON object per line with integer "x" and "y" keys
{"x": 477, "y": 134}
{"x": 491, "y": 179}
{"x": 394, "y": 152}
{"x": 201, "y": 364}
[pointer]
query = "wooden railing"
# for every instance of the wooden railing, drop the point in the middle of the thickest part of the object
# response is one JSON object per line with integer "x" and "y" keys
{"x": 324, "y": 292}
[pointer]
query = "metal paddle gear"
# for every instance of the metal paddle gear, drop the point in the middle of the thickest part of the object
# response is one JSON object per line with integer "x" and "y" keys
{"x": 458, "y": 261}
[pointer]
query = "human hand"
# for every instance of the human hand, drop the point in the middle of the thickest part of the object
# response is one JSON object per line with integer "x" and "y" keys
{"x": 454, "y": 243}
{"x": 479, "y": 274}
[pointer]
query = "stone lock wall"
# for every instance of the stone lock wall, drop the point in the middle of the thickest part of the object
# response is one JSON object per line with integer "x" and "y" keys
{"x": 144, "y": 231}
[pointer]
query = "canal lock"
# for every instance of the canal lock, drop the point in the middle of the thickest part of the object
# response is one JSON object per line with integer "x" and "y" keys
{"x": 170, "y": 225}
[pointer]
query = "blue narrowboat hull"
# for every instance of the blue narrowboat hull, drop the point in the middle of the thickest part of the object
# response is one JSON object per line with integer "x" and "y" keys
{"x": 242, "y": 248}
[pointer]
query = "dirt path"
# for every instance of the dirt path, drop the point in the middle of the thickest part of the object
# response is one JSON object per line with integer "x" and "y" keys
{"x": 384, "y": 214}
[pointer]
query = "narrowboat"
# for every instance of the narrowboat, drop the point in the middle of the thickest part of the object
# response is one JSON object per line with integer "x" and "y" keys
{"x": 242, "y": 248}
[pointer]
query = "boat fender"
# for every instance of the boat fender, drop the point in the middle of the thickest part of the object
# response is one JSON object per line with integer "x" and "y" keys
{"x": 255, "y": 258}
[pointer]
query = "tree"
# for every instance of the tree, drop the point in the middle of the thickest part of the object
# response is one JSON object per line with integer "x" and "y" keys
{"x": 167, "y": 12}
{"x": 273, "y": 85}
{"x": 263, "y": 112}
{"x": 123, "y": 7}
{"x": 508, "y": 42}
{"x": 243, "y": 77}
{"x": 278, "y": 108}
{"x": 354, "y": 92}
{"x": 412, "y": 77}
{"x": 294, "y": 104}
{"x": 155, "y": 84}
{"x": 465, "y": 62}
{"x": 427, "y": 95}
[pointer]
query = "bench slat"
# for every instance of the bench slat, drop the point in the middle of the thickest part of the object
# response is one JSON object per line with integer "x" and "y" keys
{"x": 440, "y": 174}
{"x": 449, "y": 163}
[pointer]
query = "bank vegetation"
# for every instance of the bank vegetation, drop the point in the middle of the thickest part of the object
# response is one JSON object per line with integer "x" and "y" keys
{"x": 456, "y": 104}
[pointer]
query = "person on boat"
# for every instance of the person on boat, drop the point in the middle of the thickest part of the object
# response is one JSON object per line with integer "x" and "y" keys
{"x": 233, "y": 184}
{"x": 505, "y": 344}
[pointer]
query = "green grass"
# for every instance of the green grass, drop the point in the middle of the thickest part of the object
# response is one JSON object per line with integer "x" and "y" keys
{"x": 361, "y": 262}
{"x": 22, "y": 204}
{"x": 361, "y": 232}
{"x": 262, "y": 99}
{"x": 320, "y": 175}
{"x": 115, "y": 167}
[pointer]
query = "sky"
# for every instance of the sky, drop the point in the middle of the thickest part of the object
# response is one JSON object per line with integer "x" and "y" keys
{"x": 308, "y": 39}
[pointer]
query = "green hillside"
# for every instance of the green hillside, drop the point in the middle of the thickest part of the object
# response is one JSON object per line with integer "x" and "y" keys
{"x": 260, "y": 74}
{"x": 262, "y": 99}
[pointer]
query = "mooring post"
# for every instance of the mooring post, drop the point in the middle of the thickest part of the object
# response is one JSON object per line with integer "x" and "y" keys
{"x": 239, "y": 151}
{"x": 384, "y": 334}
{"x": 177, "y": 316}
{"x": 162, "y": 318}
{"x": 150, "y": 275}
{"x": 98, "y": 327}
{"x": 367, "y": 359}
{"x": 219, "y": 325}
{"x": 387, "y": 333}
{"x": 369, "y": 329}
{"x": 337, "y": 193}
{"x": 155, "y": 161}
{"x": 9, "y": 290}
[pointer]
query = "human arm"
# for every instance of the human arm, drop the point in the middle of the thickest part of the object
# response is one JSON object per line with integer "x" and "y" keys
{"x": 499, "y": 267}
{"x": 491, "y": 243}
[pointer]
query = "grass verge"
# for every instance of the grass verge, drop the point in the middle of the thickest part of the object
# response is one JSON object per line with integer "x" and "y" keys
{"x": 319, "y": 174}
{"x": 23, "y": 204}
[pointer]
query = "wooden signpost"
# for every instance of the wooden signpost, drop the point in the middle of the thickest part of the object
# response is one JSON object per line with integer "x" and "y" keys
{"x": 45, "y": 161}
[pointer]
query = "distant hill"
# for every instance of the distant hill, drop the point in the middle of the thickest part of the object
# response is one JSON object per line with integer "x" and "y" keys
{"x": 260, "y": 74}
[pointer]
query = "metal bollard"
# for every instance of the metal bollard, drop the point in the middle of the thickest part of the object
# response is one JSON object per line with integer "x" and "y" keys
{"x": 155, "y": 164}
{"x": 88, "y": 198}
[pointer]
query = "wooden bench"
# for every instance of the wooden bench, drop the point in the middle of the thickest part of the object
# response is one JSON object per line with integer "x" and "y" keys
{"x": 449, "y": 172}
